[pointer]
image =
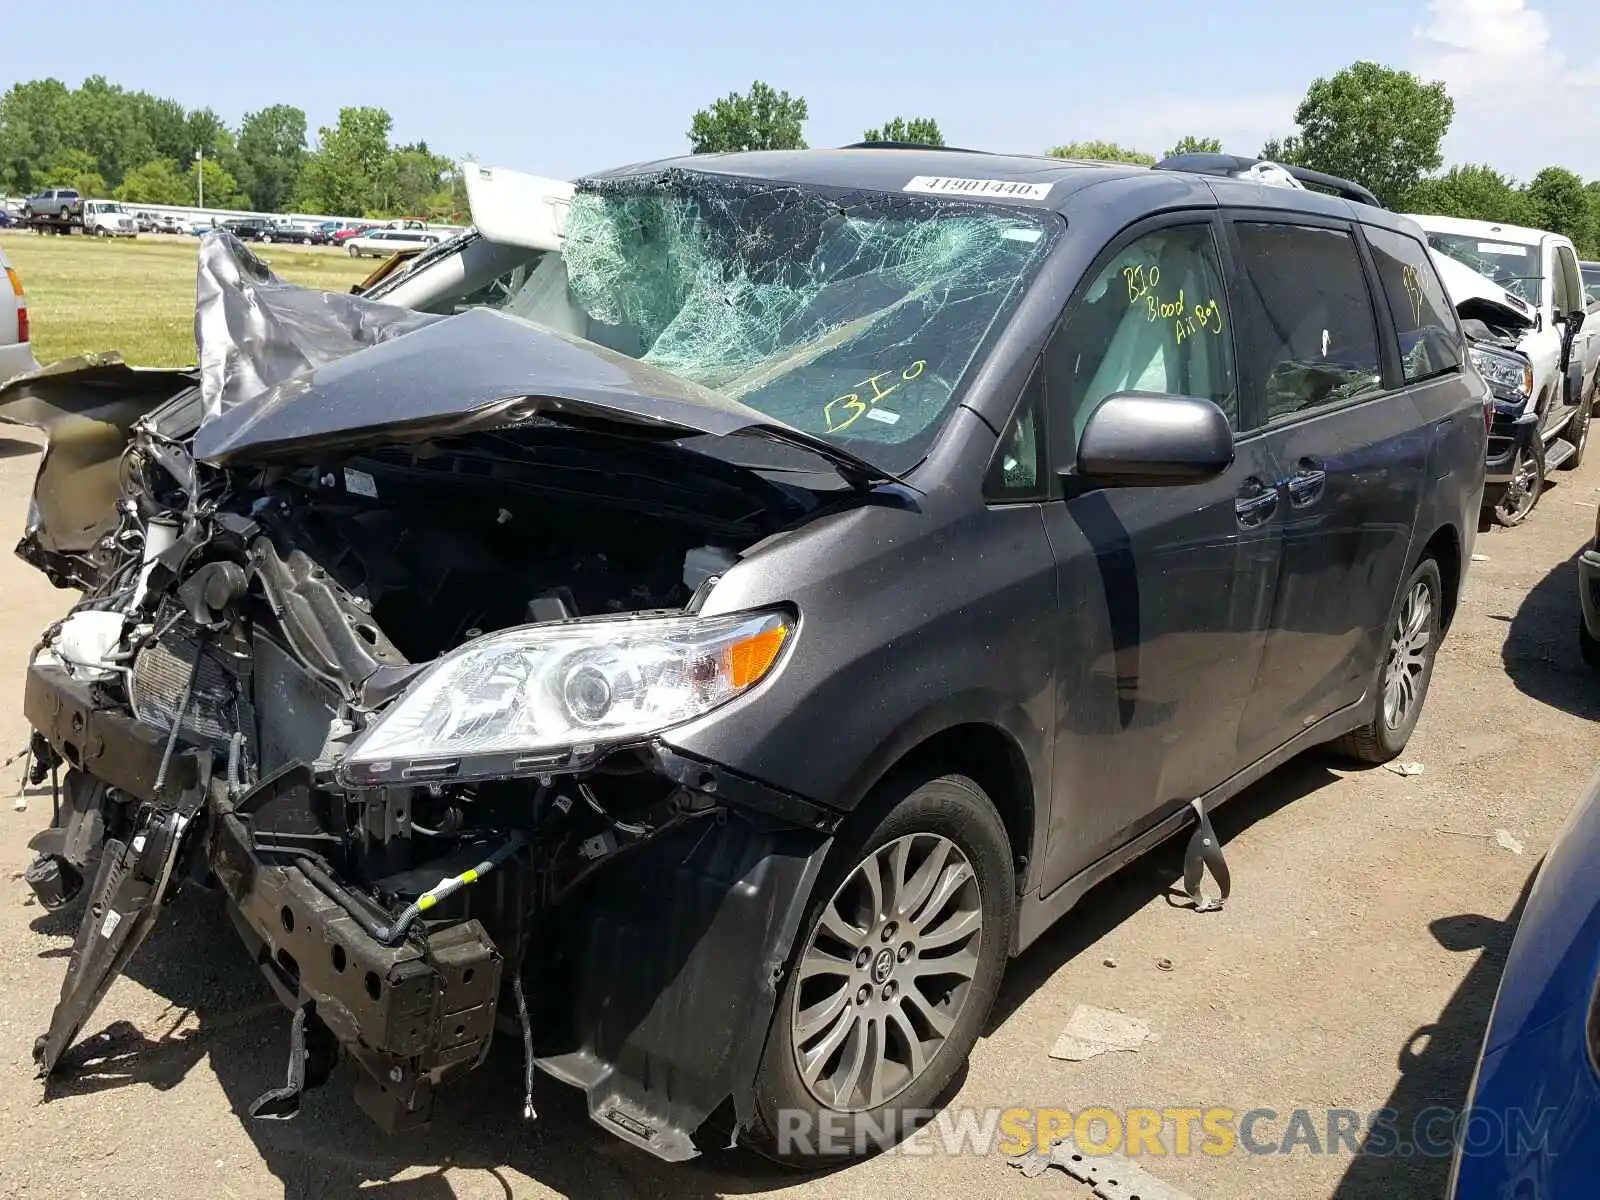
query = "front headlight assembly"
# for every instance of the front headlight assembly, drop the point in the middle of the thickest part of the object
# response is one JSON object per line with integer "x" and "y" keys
{"x": 538, "y": 697}
{"x": 1508, "y": 373}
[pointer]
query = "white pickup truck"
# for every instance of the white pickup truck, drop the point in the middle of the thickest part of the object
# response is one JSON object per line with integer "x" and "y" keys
{"x": 1540, "y": 268}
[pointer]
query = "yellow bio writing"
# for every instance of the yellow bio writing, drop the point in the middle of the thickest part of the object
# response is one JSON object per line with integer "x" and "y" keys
{"x": 1411, "y": 280}
{"x": 1205, "y": 317}
{"x": 844, "y": 411}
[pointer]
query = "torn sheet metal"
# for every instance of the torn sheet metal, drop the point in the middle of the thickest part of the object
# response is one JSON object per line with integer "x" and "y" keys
{"x": 1112, "y": 1176}
{"x": 85, "y": 406}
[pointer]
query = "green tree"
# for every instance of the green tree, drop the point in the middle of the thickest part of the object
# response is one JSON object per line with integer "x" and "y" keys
{"x": 166, "y": 124}
{"x": 346, "y": 172}
{"x": 762, "y": 119}
{"x": 1098, "y": 151}
{"x": 1372, "y": 124}
{"x": 76, "y": 169}
{"x": 1591, "y": 193}
{"x": 222, "y": 189}
{"x": 1475, "y": 191}
{"x": 158, "y": 182}
{"x": 412, "y": 175}
{"x": 33, "y": 129}
{"x": 1558, "y": 203}
{"x": 921, "y": 130}
{"x": 1189, "y": 144}
{"x": 105, "y": 121}
{"x": 272, "y": 153}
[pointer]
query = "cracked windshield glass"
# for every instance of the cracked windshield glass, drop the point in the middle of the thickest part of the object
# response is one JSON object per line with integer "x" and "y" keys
{"x": 852, "y": 317}
{"x": 1513, "y": 266}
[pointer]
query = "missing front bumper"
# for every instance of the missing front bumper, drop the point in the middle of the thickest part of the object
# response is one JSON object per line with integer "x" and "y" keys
{"x": 411, "y": 1015}
{"x": 653, "y": 989}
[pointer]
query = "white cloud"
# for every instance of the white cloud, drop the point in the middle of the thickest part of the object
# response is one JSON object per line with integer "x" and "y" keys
{"x": 1505, "y": 70}
{"x": 1478, "y": 46}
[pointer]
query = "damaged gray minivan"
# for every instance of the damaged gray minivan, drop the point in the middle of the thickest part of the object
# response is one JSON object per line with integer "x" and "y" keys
{"x": 712, "y": 665}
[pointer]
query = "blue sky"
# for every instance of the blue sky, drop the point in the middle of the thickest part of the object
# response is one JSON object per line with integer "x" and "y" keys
{"x": 580, "y": 86}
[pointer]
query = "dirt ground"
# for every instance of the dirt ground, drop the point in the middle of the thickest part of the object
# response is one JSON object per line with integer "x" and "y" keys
{"x": 1354, "y": 967}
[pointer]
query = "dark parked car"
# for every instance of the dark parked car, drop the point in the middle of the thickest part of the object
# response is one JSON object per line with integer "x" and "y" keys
{"x": 773, "y": 618}
{"x": 1533, "y": 1125}
{"x": 53, "y": 202}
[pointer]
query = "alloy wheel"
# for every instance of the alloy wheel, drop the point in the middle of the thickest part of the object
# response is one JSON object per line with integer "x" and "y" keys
{"x": 886, "y": 972}
{"x": 1522, "y": 492}
{"x": 1407, "y": 663}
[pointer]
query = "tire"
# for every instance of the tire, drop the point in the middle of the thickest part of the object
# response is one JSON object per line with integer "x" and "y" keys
{"x": 1521, "y": 495}
{"x": 1386, "y": 734}
{"x": 1577, "y": 432}
{"x": 267, "y": 238}
{"x": 354, "y": 253}
{"x": 886, "y": 1001}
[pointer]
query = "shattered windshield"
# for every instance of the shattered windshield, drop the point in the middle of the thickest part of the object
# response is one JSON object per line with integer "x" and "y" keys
{"x": 1512, "y": 265}
{"x": 852, "y": 316}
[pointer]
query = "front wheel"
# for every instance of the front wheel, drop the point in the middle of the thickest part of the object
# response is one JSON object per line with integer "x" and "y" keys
{"x": 894, "y": 976}
{"x": 1401, "y": 685}
{"x": 354, "y": 253}
{"x": 1527, "y": 485}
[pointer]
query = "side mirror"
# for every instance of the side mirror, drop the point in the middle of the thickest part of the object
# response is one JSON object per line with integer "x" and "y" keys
{"x": 1151, "y": 439}
{"x": 1575, "y": 320}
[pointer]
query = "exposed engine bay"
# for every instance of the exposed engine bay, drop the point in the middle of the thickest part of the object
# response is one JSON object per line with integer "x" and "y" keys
{"x": 353, "y": 681}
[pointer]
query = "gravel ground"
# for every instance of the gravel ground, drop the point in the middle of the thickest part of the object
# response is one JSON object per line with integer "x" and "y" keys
{"x": 1354, "y": 967}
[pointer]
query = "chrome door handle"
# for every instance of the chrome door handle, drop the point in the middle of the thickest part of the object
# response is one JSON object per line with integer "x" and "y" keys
{"x": 1255, "y": 504}
{"x": 1306, "y": 485}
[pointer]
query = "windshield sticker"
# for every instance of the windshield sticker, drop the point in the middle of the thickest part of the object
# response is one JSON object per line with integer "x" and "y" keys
{"x": 1502, "y": 248}
{"x": 882, "y": 414}
{"x": 1003, "y": 189}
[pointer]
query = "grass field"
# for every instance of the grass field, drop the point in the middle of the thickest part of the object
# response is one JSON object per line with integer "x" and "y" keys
{"x": 137, "y": 297}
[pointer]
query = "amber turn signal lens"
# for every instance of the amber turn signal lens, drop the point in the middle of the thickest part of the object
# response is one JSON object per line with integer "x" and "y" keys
{"x": 752, "y": 658}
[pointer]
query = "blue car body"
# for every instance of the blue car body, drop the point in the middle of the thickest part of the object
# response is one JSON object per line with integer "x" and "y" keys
{"x": 1533, "y": 1126}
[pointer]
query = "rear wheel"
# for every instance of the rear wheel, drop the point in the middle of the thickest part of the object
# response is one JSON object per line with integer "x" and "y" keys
{"x": 354, "y": 253}
{"x": 1401, "y": 684}
{"x": 893, "y": 978}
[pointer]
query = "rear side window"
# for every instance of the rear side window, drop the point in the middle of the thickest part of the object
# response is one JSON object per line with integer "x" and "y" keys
{"x": 1430, "y": 339}
{"x": 1316, "y": 344}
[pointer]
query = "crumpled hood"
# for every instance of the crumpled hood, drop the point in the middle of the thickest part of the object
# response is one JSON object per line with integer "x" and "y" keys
{"x": 1481, "y": 296}
{"x": 287, "y": 372}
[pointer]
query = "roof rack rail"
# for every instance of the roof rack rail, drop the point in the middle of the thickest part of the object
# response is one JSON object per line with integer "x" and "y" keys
{"x": 1235, "y": 166}
{"x": 908, "y": 146}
